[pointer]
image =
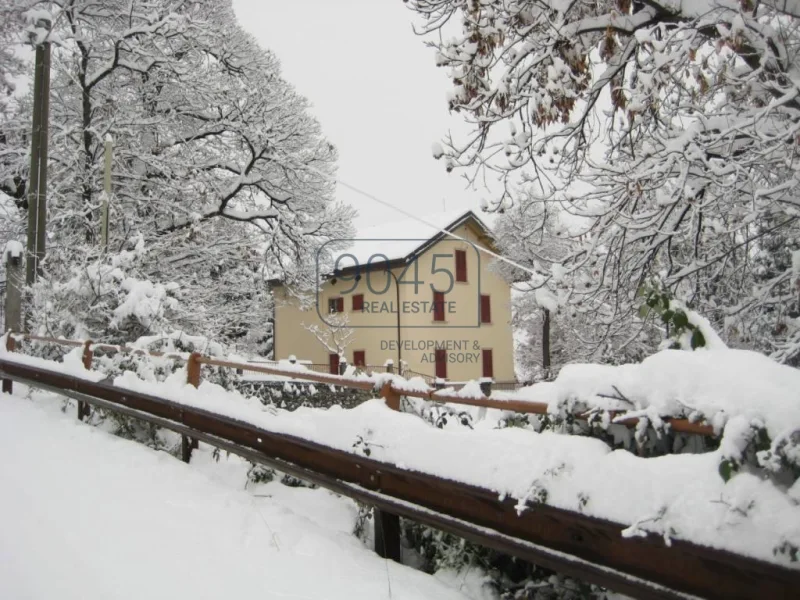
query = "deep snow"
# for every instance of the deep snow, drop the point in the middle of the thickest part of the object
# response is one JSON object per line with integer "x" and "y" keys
{"x": 86, "y": 515}
{"x": 679, "y": 496}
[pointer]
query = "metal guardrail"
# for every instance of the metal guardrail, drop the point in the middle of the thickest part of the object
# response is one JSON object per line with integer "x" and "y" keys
{"x": 409, "y": 374}
{"x": 571, "y": 543}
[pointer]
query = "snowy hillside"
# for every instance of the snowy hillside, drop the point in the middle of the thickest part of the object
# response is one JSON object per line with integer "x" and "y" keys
{"x": 86, "y": 515}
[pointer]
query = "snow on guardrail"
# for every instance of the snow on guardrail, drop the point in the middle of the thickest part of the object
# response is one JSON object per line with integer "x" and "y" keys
{"x": 675, "y": 496}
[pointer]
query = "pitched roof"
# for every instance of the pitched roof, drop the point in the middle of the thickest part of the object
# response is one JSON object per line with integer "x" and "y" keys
{"x": 400, "y": 240}
{"x": 403, "y": 239}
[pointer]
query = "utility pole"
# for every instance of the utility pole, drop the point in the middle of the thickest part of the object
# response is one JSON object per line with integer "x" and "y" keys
{"x": 106, "y": 193}
{"x": 37, "y": 188}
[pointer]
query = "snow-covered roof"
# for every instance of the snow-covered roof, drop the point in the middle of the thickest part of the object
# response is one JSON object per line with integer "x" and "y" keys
{"x": 401, "y": 239}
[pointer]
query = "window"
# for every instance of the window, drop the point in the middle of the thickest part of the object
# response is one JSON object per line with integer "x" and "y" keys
{"x": 438, "y": 306}
{"x": 441, "y": 363}
{"x": 359, "y": 358}
{"x": 358, "y": 302}
{"x": 488, "y": 365}
{"x": 335, "y": 305}
{"x": 461, "y": 265}
{"x": 333, "y": 363}
{"x": 486, "y": 309}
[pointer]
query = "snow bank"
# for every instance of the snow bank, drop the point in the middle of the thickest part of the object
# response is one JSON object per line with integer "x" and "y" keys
{"x": 89, "y": 516}
{"x": 714, "y": 385}
{"x": 678, "y": 496}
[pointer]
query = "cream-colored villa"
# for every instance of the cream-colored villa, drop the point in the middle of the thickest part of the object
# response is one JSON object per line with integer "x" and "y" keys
{"x": 421, "y": 299}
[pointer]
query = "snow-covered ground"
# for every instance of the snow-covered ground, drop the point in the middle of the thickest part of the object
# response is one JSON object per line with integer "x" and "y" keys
{"x": 87, "y": 515}
{"x": 679, "y": 496}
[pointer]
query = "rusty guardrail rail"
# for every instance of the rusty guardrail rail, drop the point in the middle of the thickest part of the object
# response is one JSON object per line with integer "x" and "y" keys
{"x": 577, "y": 545}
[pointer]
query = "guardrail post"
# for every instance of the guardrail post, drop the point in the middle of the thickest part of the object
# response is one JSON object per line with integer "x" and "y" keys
{"x": 192, "y": 378}
{"x": 387, "y": 525}
{"x": 88, "y": 355}
{"x": 11, "y": 345}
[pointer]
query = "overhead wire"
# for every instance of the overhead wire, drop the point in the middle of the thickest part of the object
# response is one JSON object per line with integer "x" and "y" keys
{"x": 408, "y": 214}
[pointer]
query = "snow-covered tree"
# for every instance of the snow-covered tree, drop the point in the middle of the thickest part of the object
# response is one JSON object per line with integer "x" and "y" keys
{"x": 12, "y": 151}
{"x": 670, "y": 129}
{"x": 552, "y": 305}
{"x": 217, "y": 163}
{"x": 335, "y": 334}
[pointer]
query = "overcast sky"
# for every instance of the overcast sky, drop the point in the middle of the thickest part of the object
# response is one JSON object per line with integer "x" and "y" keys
{"x": 377, "y": 93}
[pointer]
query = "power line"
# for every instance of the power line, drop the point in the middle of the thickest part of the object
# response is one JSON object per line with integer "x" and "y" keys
{"x": 412, "y": 216}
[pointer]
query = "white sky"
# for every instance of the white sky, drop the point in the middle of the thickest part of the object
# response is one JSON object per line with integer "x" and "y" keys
{"x": 376, "y": 91}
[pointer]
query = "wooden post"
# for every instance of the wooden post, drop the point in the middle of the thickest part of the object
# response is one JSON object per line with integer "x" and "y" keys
{"x": 15, "y": 279}
{"x": 193, "y": 369}
{"x": 88, "y": 355}
{"x": 11, "y": 344}
{"x": 192, "y": 378}
{"x": 390, "y": 366}
{"x": 486, "y": 386}
{"x": 387, "y": 525}
{"x": 390, "y": 396}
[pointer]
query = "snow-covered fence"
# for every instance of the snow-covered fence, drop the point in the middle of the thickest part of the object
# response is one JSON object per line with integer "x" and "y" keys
{"x": 390, "y": 386}
{"x": 642, "y": 564}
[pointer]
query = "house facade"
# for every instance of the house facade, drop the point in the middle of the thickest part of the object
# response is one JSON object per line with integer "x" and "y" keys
{"x": 429, "y": 304}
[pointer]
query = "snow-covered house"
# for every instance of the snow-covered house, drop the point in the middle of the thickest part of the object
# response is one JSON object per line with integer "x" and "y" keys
{"x": 407, "y": 293}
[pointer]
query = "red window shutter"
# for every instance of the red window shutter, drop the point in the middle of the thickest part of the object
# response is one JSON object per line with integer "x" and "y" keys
{"x": 359, "y": 358}
{"x": 438, "y": 306}
{"x": 461, "y": 265}
{"x": 441, "y": 363}
{"x": 488, "y": 366}
{"x": 358, "y": 302}
{"x": 333, "y": 363}
{"x": 486, "y": 309}
{"x": 340, "y": 305}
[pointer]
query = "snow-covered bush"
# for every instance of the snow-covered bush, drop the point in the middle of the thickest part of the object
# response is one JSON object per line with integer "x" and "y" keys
{"x": 211, "y": 157}
{"x": 83, "y": 295}
{"x": 437, "y": 414}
